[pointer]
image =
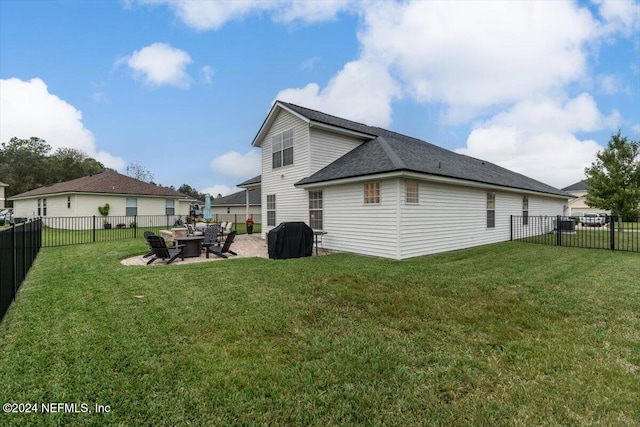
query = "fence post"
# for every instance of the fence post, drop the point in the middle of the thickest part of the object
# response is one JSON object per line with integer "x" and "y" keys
{"x": 612, "y": 232}
{"x": 135, "y": 229}
{"x": 14, "y": 264}
{"x": 558, "y": 232}
{"x": 511, "y": 230}
{"x": 94, "y": 229}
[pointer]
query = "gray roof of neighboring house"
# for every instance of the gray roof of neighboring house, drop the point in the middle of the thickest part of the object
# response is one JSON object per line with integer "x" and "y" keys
{"x": 238, "y": 199}
{"x": 2, "y": 184}
{"x": 108, "y": 182}
{"x": 578, "y": 186}
{"x": 251, "y": 181}
{"x": 389, "y": 151}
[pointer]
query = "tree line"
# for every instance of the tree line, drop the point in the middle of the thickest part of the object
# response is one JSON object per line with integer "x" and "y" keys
{"x": 27, "y": 164}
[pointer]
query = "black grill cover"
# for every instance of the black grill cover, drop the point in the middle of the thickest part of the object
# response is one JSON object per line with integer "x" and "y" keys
{"x": 290, "y": 240}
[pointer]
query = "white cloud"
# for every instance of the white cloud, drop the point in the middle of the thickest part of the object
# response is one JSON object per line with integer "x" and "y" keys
{"x": 206, "y": 74}
{"x": 209, "y": 15}
{"x": 223, "y": 190}
{"x": 536, "y": 138}
{"x": 238, "y": 165}
{"x": 361, "y": 91}
{"x": 28, "y": 109}
{"x": 160, "y": 64}
{"x": 619, "y": 16}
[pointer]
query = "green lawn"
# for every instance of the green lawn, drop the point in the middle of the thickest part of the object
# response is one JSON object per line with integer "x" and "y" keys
{"x": 507, "y": 334}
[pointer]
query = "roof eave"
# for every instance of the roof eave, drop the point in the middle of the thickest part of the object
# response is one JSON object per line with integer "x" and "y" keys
{"x": 268, "y": 121}
{"x": 425, "y": 177}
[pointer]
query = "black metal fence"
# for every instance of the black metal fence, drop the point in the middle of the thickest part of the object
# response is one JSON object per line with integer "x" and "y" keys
{"x": 613, "y": 233}
{"x": 63, "y": 231}
{"x": 19, "y": 246}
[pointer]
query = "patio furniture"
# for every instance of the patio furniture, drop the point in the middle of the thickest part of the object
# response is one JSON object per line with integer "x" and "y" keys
{"x": 211, "y": 236}
{"x": 161, "y": 251}
{"x": 290, "y": 240}
{"x": 146, "y": 235}
{"x": 192, "y": 232}
{"x": 225, "y": 249}
{"x": 192, "y": 245}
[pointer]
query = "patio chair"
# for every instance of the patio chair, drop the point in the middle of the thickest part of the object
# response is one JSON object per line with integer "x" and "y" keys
{"x": 146, "y": 238}
{"x": 192, "y": 232}
{"x": 225, "y": 249}
{"x": 211, "y": 236}
{"x": 228, "y": 227}
{"x": 161, "y": 251}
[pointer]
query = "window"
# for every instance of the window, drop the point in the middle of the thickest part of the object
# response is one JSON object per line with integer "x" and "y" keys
{"x": 372, "y": 192}
{"x": 412, "y": 191}
{"x": 282, "y": 149}
{"x": 132, "y": 206}
{"x": 39, "y": 207}
{"x": 315, "y": 210}
{"x": 271, "y": 210}
{"x": 525, "y": 210}
{"x": 170, "y": 207}
{"x": 491, "y": 209}
{"x": 68, "y": 202}
{"x": 44, "y": 207}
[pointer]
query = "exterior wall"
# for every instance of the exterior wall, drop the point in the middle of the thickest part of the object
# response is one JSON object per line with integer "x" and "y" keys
{"x": 254, "y": 210}
{"x": 2, "y": 198}
{"x": 326, "y": 147}
{"x": 447, "y": 217}
{"x": 578, "y": 206}
{"x": 313, "y": 149}
{"x": 86, "y": 205}
{"x": 291, "y": 202}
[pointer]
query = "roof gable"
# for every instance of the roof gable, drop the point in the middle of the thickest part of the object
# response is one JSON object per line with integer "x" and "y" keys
{"x": 108, "y": 182}
{"x": 239, "y": 198}
{"x": 578, "y": 186}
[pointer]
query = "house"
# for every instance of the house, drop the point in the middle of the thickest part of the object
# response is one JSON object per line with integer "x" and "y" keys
{"x": 2, "y": 185}
{"x": 126, "y": 196}
{"x": 578, "y": 206}
{"x": 238, "y": 206}
{"x": 377, "y": 192}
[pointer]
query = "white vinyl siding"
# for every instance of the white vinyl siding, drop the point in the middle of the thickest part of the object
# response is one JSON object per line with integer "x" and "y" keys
{"x": 292, "y": 201}
{"x": 326, "y": 147}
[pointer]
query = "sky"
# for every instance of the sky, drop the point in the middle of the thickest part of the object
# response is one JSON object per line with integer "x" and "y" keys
{"x": 181, "y": 88}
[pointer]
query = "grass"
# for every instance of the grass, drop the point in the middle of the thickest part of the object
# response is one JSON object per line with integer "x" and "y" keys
{"x": 507, "y": 334}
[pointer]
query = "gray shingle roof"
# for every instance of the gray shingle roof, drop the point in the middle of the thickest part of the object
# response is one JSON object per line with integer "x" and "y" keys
{"x": 238, "y": 199}
{"x": 391, "y": 152}
{"x": 578, "y": 186}
{"x": 108, "y": 182}
{"x": 251, "y": 181}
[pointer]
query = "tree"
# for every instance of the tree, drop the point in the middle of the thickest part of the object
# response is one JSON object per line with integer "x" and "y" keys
{"x": 71, "y": 163}
{"x": 190, "y": 191}
{"x": 23, "y": 164}
{"x": 137, "y": 171}
{"x": 613, "y": 179}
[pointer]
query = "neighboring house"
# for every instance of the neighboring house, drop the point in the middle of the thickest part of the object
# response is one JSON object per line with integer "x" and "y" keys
{"x": 578, "y": 206}
{"x": 377, "y": 192}
{"x": 2, "y": 185}
{"x": 126, "y": 196}
{"x": 237, "y": 206}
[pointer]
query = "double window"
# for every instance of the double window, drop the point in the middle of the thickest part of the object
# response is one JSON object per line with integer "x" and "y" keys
{"x": 132, "y": 206}
{"x": 282, "y": 149}
{"x": 271, "y": 210}
{"x": 315, "y": 210}
{"x": 491, "y": 209}
{"x": 371, "y": 192}
{"x": 42, "y": 207}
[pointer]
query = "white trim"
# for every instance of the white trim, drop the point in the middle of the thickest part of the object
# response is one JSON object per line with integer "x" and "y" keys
{"x": 340, "y": 130}
{"x": 426, "y": 177}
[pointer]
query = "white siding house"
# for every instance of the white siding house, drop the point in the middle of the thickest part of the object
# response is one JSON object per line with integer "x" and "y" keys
{"x": 379, "y": 193}
{"x": 127, "y": 197}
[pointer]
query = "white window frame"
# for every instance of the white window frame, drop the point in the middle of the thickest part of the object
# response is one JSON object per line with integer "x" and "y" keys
{"x": 371, "y": 193}
{"x": 316, "y": 211}
{"x": 169, "y": 207}
{"x": 491, "y": 209}
{"x": 282, "y": 149}
{"x": 411, "y": 192}
{"x": 131, "y": 206}
{"x": 525, "y": 210}
{"x": 271, "y": 210}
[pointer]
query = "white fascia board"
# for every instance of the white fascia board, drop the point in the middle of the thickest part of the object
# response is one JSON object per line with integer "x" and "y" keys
{"x": 339, "y": 130}
{"x": 266, "y": 125}
{"x": 430, "y": 178}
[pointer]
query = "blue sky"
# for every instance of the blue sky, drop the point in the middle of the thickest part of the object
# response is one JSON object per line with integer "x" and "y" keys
{"x": 181, "y": 88}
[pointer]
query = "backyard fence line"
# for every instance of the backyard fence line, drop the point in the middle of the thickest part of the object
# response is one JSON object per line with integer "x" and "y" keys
{"x": 620, "y": 234}
{"x": 64, "y": 231}
{"x": 19, "y": 246}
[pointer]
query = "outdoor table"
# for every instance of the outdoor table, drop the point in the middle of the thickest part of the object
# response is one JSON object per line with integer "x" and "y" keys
{"x": 192, "y": 245}
{"x": 317, "y": 235}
